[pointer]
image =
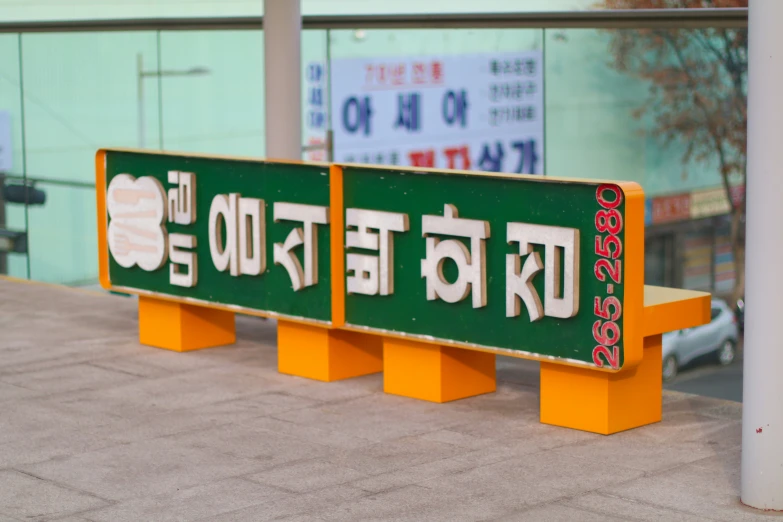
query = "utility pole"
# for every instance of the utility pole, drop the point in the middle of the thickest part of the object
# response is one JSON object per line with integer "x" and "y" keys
{"x": 762, "y": 413}
{"x": 283, "y": 79}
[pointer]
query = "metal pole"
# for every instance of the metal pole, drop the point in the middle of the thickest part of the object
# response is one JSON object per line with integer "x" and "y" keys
{"x": 668, "y": 18}
{"x": 140, "y": 97}
{"x": 329, "y": 129}
{"x": 3, "y": 255}
{"x": 283, "y": 79}
{"x": 762, "y": 415}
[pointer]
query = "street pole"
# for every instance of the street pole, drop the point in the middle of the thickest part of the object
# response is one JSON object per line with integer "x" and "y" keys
{"x": 283, "y": 79}
{"x": 140, "y": 97}
{"x": 762, "y": 414}
{"x": 3, "y": 255}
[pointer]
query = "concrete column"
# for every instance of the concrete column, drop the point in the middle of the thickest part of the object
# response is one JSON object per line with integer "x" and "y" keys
{"x": 283, "y": 79}
{"x": 762, "y": 416}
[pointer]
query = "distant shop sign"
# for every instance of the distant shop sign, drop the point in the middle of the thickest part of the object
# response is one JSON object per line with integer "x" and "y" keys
{"x": 714, "y": 202}
{"x": 671, "y": 208}
{"x": 315, "y": 112}
{"x": 693, "y": 205}
{"x": 470, "y": 112}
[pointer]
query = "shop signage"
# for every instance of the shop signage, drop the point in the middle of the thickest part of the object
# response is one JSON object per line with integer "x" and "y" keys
{"x": 671, "y": 208}
{"x": 698, "y": 204}
{"x": 535, "y": 267}
{"x": 481, "y": 111}
{"x": 707, "y": 203}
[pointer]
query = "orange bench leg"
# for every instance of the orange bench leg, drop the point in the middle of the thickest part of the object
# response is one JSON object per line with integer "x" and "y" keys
{"x": 326, "y": 355}
{"x": 183, "y": 327}
{"x": 435, "y": 373}
{"x": 601, "y": 402}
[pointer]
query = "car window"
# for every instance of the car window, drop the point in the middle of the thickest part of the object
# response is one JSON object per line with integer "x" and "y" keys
{"x": 715, "y": 313}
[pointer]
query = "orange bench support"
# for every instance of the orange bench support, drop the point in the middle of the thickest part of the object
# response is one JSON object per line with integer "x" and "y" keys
{"x": 436, "y": 373}
{"x": 571, "y": 396}
{"x": 602, "y": 402}
{"x": 325, "y": 354}
{"x": 183, "y": 327}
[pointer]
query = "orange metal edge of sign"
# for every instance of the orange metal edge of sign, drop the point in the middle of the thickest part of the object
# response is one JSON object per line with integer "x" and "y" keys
{"x": 100, "y": 194}
{"x": 337, "y": 219}
{"x": 633, "y": 298}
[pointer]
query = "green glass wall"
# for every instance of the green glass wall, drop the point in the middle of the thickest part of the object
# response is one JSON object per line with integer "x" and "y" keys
{"x": 203, "y": 91}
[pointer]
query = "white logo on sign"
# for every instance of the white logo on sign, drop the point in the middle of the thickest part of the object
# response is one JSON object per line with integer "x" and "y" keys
{"x": 137, "y": 209}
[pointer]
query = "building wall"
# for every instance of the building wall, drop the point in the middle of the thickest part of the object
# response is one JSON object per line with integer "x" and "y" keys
{"x": 80, "y": 93}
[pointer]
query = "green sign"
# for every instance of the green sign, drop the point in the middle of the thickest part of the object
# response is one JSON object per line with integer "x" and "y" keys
{"x": 519, "y": 265}
{"x": 189, "y": 190}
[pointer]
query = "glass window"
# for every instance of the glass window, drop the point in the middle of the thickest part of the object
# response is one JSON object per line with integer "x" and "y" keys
{"x": 698, "y": 260}
{"x": 212, "y": 91}
{"x": 63, "y": 238}
{"x": 620, "y": 105}
{"x": 81, "y": 93}
{"x": 658, "y": 260}
{"x": 12, "y": 215}
{"x": 724, "y": 261}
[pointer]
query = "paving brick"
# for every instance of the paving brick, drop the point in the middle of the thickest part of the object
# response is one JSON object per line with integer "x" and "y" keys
{"x": 558, "y": 513}
{"x": 546, "y": 476}
{"x": 379, "y": 417}
{"x": 305, "y": 505}
{"x": 309, "y": 475}
{"x": 140, "y": 469}
{"x": 25, "y": 497}
{"x": 69, "y": 378}
{"x": 613, "y": 506}
{"x": 199, "y": 502}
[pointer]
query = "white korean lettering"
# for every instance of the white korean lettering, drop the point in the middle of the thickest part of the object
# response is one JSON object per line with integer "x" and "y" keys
{"x": 372, "y": 275}
{"x": 223, "y": 214}
{"x": 561, "y": 246}
{"x": 182, "y": 200}
{"x": 470, "y": 263}
{"x": 242, "y": 249}
{"x": 252, "y": 237}
{"x": 180, "y": 258}
{"x": 309, "y": 216}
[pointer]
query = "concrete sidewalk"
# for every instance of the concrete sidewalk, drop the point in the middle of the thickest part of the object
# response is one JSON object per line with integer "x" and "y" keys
{"x": 94, "y": 426}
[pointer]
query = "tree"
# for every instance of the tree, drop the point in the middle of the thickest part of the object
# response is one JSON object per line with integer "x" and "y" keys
{"x": 698, "y": 95}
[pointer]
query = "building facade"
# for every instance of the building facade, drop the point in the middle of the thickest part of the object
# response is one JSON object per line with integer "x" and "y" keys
{"x": 68, "y": 94}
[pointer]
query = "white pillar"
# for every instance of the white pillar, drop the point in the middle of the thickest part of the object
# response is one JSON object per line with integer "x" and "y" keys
{"x": 283, "y": 79}
{"x": 762, "y": 416}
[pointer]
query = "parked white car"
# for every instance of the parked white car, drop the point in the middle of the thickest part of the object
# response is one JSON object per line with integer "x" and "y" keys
{"x": 719, "y": 336}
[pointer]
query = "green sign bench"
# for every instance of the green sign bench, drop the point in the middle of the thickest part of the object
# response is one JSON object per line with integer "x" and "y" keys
{"x": 424, "y": 275}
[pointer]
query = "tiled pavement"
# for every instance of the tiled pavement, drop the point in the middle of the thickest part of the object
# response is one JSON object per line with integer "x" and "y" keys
{"x": 95, "y": 427}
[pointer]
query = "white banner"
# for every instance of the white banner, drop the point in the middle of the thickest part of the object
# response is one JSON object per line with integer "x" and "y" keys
{"x": 478, "y": 112}
{"x": 314, "y": 127}
{"x": 6, "y": 150}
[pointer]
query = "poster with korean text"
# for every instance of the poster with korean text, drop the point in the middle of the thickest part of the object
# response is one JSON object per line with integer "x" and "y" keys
{"x": 470, "y": 112}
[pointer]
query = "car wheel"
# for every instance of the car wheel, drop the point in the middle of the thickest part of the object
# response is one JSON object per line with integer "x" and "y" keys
{"x": 727, "y": 352}
{"x": 670, "y": 368}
